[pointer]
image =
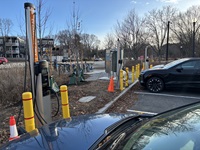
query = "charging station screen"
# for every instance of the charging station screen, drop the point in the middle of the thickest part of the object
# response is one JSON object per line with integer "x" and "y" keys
{"x": 44, "y": 71}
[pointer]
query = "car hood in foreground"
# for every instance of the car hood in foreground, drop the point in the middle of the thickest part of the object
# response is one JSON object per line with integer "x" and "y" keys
{"x": 75, "y": 133}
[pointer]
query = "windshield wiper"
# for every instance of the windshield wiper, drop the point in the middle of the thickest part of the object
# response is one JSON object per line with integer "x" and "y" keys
{"x": 112, "y": 132}
{"x": 131, "y": 118}
{"x": 117, "y": 141}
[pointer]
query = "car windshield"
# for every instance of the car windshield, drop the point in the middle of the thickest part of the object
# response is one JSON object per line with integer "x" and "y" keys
{"x": 174, "y": 63}
{"x": 174, "y": 130}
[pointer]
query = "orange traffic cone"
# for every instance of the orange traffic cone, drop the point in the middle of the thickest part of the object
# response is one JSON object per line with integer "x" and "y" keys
{"x": 111, "y": 85}
{"x": 13, "y": 129}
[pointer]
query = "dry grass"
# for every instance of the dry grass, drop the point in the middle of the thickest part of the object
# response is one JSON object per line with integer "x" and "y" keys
{"x": 12, "y": 84}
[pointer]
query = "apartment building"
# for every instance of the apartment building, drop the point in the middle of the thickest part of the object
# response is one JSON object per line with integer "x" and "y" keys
{"x": 12, "y": 46}
{"x": 45, "y": 43}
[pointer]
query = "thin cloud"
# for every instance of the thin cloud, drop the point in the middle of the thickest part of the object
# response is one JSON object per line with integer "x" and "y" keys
{"x": 134, "y": 1}
{"x": 169, "y": 1}
{"x": 147, "y": 3}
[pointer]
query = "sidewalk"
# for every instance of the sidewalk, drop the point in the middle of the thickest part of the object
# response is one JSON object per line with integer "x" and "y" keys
{"x": 102, "y": 75}
{"x": 97, "y": 74}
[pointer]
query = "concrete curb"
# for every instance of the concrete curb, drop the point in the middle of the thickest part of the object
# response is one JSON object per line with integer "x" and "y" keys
{"x": 108, "y": 105}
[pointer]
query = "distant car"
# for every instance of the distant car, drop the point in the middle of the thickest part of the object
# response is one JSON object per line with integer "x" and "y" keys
{"x": 98, "y": 59}
{"x": 3, "y": 60}
{"x": 179, "y": 73}
{"x": 174, "y": 129}
{"x": 64, "y": 59}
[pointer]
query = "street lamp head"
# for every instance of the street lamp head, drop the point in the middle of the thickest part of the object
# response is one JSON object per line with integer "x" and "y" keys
{"x": 169, "y": 22}
{"x": 194, "y": 20}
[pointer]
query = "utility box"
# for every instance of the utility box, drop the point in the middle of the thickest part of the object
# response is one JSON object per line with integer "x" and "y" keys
{"x": 114, "y": 61}
{"x": 111, "y": 61}
{"x": 108, "y": 62}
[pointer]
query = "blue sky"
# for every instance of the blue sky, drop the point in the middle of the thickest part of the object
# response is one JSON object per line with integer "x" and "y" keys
{"x": 98, "y": 16}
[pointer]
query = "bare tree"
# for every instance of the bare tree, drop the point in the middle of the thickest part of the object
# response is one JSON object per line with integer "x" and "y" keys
{"x": 74, "y": 27}
{"x": 90, "y": 43}
{"x": 109, "y": 41}
{"x": 132, "y": 35}
{"x": 43, "y": 15}
{"x": 5, "y": 28}
{"x": 64, "y": 38}
{"x": 156, "y": 23}
{"x": 182, "y": 28}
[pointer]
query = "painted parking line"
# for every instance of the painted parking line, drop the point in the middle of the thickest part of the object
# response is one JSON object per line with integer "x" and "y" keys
{"x": 169, "y": 95}
{"x": 141, "y": 112}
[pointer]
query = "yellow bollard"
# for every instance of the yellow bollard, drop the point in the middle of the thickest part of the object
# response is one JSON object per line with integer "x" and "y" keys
{"x": 133, "y": 74}
{"x": 121, "y": 80}
{"x": 127, "y": 77}
{"x": 151, "y": 66}
{"x": 143, "y": 66}
{"x": 65, "y": 102}
{"x": 138, "y": 70}
{"x": 28, "y": 111}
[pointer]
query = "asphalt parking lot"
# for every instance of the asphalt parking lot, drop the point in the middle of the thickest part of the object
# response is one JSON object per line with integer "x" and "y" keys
{"x": 154, "y": 103}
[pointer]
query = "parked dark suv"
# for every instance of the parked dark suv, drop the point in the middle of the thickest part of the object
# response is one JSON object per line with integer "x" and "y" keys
{"x": 179, "y": 73}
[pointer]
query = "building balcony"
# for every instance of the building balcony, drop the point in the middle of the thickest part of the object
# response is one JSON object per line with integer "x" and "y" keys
{"x": 12, "y": 52}
{"x": 12, "y": 44}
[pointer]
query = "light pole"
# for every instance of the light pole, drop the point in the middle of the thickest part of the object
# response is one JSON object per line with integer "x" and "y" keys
{"x": 193, "y": 41}
{"x": 167, "y": 46}
{"x": 145, "y": 57}
{"x": 181, "y": 47}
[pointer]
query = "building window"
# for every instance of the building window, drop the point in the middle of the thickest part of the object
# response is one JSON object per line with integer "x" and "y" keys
{"x": 44, "y": 42}
{"x": 50, "y": 42}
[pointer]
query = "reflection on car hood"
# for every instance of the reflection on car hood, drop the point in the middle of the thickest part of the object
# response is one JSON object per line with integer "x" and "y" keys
{"x": 158, "y": 66}
{"x": 76, "y": 133}
{"x": 152, "y": 69}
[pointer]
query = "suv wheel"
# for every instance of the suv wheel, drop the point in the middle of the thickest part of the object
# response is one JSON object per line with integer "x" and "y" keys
{"x": 155, "y": 84}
